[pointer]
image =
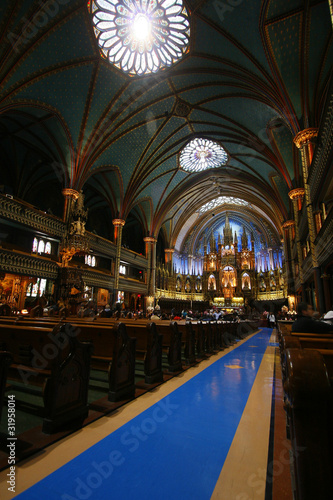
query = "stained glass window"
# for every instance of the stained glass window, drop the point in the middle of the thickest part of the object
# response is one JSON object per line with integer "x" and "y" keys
{"x": 41, "y": 246}
{"x": 141, "y": 37}
{"x": 48, "y": 248}
{"x": 35, "y": 245}
{"x": 42, "y": 286}
{"x": 90, "y": 261}
{"x": 222, "y": 200}
{"x": 201, "y": 154}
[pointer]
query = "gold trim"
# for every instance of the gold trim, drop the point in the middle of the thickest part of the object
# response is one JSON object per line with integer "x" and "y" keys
{"x": 118, "y": 222}
{"x": 169, "y": 250}
{"x": 149, "y": 239}
{"x": 70, "y": 193}
{"x": 288, "y": 223}
{"x": 296, "y": 194}
{"x": 305, "y": 136}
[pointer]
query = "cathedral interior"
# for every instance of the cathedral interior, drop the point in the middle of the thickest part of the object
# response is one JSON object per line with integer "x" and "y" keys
{"x": 166, "y": 193}
{"x": 200, "y": 173}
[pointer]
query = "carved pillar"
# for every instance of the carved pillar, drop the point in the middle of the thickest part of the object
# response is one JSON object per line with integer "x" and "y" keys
{"x": 189, "y": 264}
{"x": 168, "y": 252}
{"x": 270, "y": 254}
{"x": 318, "y": 220}
{"x": 330, "y": 3}
{"x": 70, "y": 196}
{"x": 296, "y": 195}
{"x": 151, "y": 256}
{"x": 118, "y": 229}
{"x": 290, "y": 264}
{"x": 304, "y": 141}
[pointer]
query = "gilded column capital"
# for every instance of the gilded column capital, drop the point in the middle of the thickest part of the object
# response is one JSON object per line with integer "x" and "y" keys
{"x": 169, "y": 250}
{"x": 118, "y": 222}
{"x": 305, "y": 136}
{"x": 296, "y": 194}
{"x": 149, "y": 239}
{"x": 288, "y": 223}
{"x": 70, "y": 193}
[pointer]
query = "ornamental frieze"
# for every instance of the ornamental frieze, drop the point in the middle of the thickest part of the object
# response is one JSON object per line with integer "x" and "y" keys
{"x": 18, "y": 263}
{"x": 13, "y": 210}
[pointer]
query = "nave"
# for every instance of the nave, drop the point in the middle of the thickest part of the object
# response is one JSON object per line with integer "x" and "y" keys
{"x": 206, "y": 434}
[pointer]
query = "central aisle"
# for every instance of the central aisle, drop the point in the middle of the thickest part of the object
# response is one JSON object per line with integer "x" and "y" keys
{"x": 176, "y": 448}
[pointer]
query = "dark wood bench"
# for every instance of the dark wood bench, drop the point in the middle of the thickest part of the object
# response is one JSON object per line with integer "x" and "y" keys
{"x": 172, "y": 344}
{"x": 291, "y": 339}
{"x": 55, "y": 361}
{"x": 148, "y": 344}
{"x": 309, "y": 404}
{"x": 5, "y": 310}
{"x": 188, "y": 341}
{"x": 141, "y": 342}
{"x": 114, "y": 352}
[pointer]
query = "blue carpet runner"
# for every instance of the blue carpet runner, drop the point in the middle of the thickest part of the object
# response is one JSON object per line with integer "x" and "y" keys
{"x": 173, "y": 450}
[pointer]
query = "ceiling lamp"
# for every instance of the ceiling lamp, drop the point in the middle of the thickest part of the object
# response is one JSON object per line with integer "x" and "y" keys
{"x": 202, "y": 154}
{"x": 141, "y": 36}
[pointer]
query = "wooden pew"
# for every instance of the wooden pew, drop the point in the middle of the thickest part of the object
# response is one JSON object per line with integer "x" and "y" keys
{"x": 200, "y": 339}
{"x": 54, "y": 360}
{"x": 188, "y": 338}
{"x": 152, "y": 374}
{"x": 114, "y": 352}
{"x": 292, "y": 337}
{"x": 284, "y": 327}
{"x": 5, "y": 361}
{"x": 172, "y": 344}
{"x": 309, "y": 404}
{"x": 5, "y": 310}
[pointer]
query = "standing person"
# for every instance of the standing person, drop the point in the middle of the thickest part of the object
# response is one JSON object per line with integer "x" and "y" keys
{"x": 271, "y": 319}
{"x": 306, "y": 324}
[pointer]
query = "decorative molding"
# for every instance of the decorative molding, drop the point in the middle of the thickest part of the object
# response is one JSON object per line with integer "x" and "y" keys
{"x": 149, "y": 239}
{"x": 28, "y": 216}
{"x": 288, "y": 223}
{"x": 305, "y": 136}
{"x": 324, "y": 241}
{"x": 101, "y": 280}
{"x": 118, "y": 222}
{"x": 323, "y": 149}
{"x": 21, "y": 263}
{"x": 296, "y": 194}
{"x": 71, "y": 193}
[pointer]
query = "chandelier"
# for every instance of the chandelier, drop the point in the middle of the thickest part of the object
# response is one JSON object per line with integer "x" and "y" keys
{"x": 141, "y": 36}
{"x": 202, "y": 154}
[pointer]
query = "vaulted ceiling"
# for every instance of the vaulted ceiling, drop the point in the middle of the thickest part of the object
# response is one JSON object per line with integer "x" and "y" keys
{"x": 256, "y": 74}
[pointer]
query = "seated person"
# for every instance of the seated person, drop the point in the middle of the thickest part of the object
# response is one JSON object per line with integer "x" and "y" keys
{"x": 306, "y": 324}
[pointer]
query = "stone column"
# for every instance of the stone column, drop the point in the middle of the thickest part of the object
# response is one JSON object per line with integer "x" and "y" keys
{"x": 151, "y": 256}
{"x": 70, "y": 196}
{"x": 189, "y": 264}
{"x": 168, "y": 252}
{"x": 330, "y": 3}
{"x": 296, "y": 195}
{"x": 304, "y": 141}
{"x": 270, "y": 254}
{"x": 287, "y": 253}
{"x": 118, "y": 229}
